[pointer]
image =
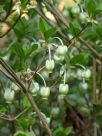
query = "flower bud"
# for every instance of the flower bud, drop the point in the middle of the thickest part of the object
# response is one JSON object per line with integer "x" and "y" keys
{"x": 9, "y": 95}
{"x": 63, "y": 89}
{"x": 50, "y": 64}
{"x": 83, "y": 16}
{"x": 34, "y": 88}
{"x": 45, "y": 92}
{"x": 61, "y": 50}
{"x": 75, "y": 10}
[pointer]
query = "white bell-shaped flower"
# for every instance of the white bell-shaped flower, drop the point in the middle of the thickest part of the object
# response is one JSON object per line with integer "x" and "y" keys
{"x": 83, "y": 85}
{"x": 58, "y": 58}
{"x": 45, "y": 74}
{"x": 45, "y": 92}
{"x": 9, "y": 95}
{"x": 34, "y": 88}
{"x": 87, "y": 73}
{"x": 50, "y": 64}
{"x": 61, "y": 50}
{"x": 79, "y": 73}
{"x": 63, "y": 89}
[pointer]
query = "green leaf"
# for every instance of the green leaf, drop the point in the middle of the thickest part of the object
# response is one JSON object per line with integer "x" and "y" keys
{"x": 98, "y": 30}
{"x": 2, "y": 108}
{"x": 25, "y": 102}
{"x": 59, "y": 132}
{"x": 24, "y": 3}
{"x": 75, "y": 27}
{"x": 98, "y": 9}
{"x": 72, "y": 102}
{"x": 20, "y": 133}
{"x": 90, "y": 6}
{"x": 49, "y": 33}
{"x": 17, "y": 48}
{"x": 81, "y": 58}
{"x": 32, "y": 49}
{"x": 46, "y": 29}
{"x": 43, "y": 25}
{"x": 67, "y": 59}
{"x": 68, "y": 130}
{"x": 30, "y": 133}
{"x": 21, "y": 28}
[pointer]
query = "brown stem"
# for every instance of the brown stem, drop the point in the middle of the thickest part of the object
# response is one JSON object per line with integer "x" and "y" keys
{"x": 11, "y": 73}
{"x": 9, "y": 118}
{"x": 90, "y": 47}
{"x": 52, "y": 10}
{"x": 26, "y": 91}
{"x": 11, "y": 123}
{"x": 8, "y": 12}
{"x": 78, "y": 34}
{"x": 100, "y": 91}
{"x": 55, "y": 12}
{"x": 32, "y": 102}
{"x": 95, "y": 129}
{"x": 51, "y": 24}
{"x": 94, "y": 81}
{"x": 11, "y": 27}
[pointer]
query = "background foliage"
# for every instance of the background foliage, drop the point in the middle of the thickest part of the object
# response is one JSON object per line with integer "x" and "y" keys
{"x": 31, "y": 32}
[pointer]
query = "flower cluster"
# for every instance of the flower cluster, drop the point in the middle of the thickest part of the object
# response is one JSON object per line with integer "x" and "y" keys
{"x": 55, "y": 58}
{"x": 78, "y": 11}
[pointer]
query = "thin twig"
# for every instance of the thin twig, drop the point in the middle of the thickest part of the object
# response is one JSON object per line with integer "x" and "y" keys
{"x": 53, "y": 11}
{"x": 12, "y": 118}
{"x": 11, "y": 27}
{"x": 90, "y": 47}
{"x": 100, "y": 91}
{"x": 78, "y": 34}
{"x": 26, "y": 91}
{"x": 11, "y": 73}
{"x": 64, "y": 36}
{"x": 8, "y": 12}
{"x": 38, "y": 113}
{"x": 94, "y": 81}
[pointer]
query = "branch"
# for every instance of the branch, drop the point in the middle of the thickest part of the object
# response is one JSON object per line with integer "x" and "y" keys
{"x": 100, "y": 91}
{"x": 78, "y": 34}
{"x": 52, "y": 10}
{"x": 8, "y": 12}
{"x": 55, "y": 12}
{"x": 11, "y": 27}
{"x": 11, "y": 73}
{"x": 8, "y": 118}
{"x": 32, "y": 102}
{"x": 26, "y": 91}
{"x": 94, "y": 81}
{"x": 5, "y": 73}
{"x": 90, "y": 47}
{"x": 51, "y": 24}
